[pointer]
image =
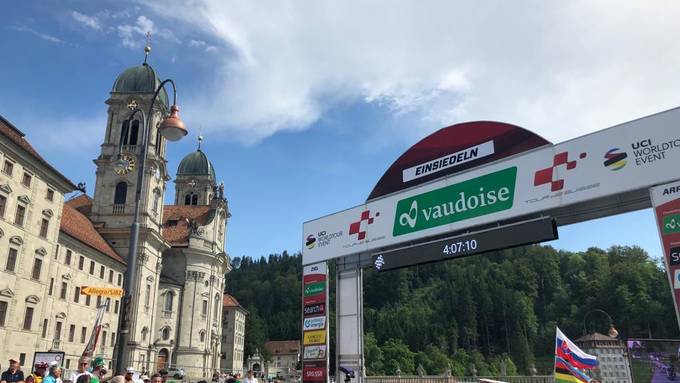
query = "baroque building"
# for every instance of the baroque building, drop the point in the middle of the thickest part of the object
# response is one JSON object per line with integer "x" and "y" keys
{"x": 54, "y": 247}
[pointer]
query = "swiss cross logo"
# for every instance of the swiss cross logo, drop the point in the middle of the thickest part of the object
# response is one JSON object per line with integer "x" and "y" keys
{"x": 547, "y": 175}
{"x": 359, "y": 227}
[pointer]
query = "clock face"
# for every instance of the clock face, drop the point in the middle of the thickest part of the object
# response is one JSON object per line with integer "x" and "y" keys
{"x": 131, "y": 161}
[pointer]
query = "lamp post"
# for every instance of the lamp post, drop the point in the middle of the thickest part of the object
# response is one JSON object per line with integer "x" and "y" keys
{"x": 613, "y": 333}
{"x": 172, "y": 129}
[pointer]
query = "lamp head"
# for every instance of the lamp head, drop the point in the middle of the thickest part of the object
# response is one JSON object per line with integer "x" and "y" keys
{"x": 172, "y": 127}
{"x": 612, "y": 331}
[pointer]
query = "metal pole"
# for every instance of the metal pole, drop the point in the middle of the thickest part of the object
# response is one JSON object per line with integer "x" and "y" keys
{"x": 131, "y": 270}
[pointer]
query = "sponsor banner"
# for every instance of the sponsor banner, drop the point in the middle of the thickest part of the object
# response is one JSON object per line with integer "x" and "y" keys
{"x": 314, "y": 299}
{"x": 472, "y": 198}
{"x": 313, "y": 278}
{"x": 314, "y": 352}
{"x": 314, "y": 372}
{"x": 319, "y": 268}
{"x": 629, "y": 157}
{"x": 314, "y": 288}
{"x": 314, "y": 323}
{"x": 315, "y": 309}
{"x": 314, "y": 337}
{"x": 666, "y": 202}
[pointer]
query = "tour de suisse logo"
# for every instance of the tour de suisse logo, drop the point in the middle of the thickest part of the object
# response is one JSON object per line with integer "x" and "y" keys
{"x": 359, "y": 227}
{"x": 615, "y": 159}
{"x": 547, "y": 175}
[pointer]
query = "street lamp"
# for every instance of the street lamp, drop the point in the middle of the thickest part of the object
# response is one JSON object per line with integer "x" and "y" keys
{"x": 613, "y": 333}
{"x": 172, "y": 129}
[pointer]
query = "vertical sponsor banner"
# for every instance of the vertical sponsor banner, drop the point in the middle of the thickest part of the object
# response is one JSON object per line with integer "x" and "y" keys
{"x": 666, "y": 202}
{"x": 315, "y": 323}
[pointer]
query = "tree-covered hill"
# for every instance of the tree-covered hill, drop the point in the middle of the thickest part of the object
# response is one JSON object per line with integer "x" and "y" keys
{"x": 483, "y": 311}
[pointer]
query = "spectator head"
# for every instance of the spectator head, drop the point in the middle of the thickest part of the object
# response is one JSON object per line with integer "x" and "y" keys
{"x": 83, "y": 378}
{"x": 156, "y": 378}
{"x": 55, "y": 371}
{"x": 13, "y": 364}
{"x": 118, "y": 379}
{"x": 29, "y": 379}
{"x": 83, "y": 362}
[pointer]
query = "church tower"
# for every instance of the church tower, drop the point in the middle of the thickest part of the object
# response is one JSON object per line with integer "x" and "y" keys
{"x": 195, "y": 181}
{"x": 114, "y": 195}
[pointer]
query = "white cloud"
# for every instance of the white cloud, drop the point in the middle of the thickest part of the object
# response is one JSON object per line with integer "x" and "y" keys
{"x": 560, "y": 69}
{"x": 44, "y": 36}
{"x": 133, "y": 35}
{"x": 87, "y": 21}
{"x": 202, "y": 44}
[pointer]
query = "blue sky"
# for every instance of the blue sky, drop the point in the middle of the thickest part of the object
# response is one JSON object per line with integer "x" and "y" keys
{"x": 304, "y": 105}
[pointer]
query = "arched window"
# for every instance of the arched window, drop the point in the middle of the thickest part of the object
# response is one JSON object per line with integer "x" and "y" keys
{"x": 202, "y": 334}
{"x": 169, "y": 297}
{"x": 124, "y": 132}
{"x": 165, "y": 333}
{"x": 145, "y": 331}
{"x": 156, "y": 200}
{"x": 121, "y": 193}
{"x": 191, "y": 199}
{"x": 217, "y": 308}
{"x": 134, "y": 132}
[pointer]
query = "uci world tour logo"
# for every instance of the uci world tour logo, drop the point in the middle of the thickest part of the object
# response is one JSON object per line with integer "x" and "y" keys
{"x": 310, "y": 242}
{"x": 479, "y": 196}
{"x": 615, "y": 159}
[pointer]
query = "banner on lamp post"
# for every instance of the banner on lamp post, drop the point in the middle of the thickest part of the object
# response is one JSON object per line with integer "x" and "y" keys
{"x": 666, "y": 203}
{"x": 314, "y": 320}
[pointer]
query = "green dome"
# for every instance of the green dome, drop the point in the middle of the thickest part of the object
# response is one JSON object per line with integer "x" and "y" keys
{"x": 139, "y": 79}
{"x": 196, "y": 164}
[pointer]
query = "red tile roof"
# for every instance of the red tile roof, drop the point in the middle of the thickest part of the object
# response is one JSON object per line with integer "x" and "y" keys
{"x": 82, "y": 203}
{"x": 229, "y": 301}
{"x": 283, "y": 347}
{"x": 176, "y": 218}
{"x": 17, "y": 137}
{"x": 78, "y": 226}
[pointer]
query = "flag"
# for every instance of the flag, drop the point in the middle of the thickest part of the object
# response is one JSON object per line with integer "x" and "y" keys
{"x": 91, "y": 345}
{"x": 570, "y": 360}
{"x": 567, "y": 350}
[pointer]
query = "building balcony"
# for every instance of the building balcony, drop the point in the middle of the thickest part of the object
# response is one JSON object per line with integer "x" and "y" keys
{"x": 56, "y": 345}
{"x": 118, "y": 209}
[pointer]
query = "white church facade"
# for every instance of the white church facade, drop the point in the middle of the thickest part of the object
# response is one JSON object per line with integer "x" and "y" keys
{"x": 51, "y": 246}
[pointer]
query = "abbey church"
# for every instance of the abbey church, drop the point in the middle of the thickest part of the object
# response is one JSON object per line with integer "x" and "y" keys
{"x": 51, "y": 247}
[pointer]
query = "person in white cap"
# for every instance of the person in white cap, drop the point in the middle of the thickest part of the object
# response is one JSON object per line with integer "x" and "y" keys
{"x": 129, "y": 372}
{"x": 83, "y": 362}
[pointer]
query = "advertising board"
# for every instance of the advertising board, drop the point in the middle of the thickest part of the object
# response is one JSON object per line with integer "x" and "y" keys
{"x": 666, "y": 201}
{"x": 314, "y": 319}
{"x": 628, "y": 157}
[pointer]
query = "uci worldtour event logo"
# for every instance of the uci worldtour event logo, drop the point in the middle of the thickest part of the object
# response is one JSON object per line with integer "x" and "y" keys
{"x": 321, "y": 239}
{"x": 615, "y": 159}
{"x": 476, "y": 197}
{"x": 646, "y": 151}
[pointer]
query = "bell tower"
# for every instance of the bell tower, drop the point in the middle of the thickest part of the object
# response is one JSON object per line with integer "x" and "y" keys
{"x": 195, "y": 183}
{"x": 115, "y": 193}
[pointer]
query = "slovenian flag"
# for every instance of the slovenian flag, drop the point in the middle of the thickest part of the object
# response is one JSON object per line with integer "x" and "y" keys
{"x": 570, "y": 360}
